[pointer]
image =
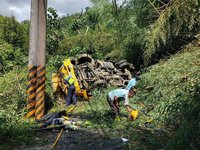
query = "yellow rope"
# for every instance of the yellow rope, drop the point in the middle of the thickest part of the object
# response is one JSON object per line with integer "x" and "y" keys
{"x": 54, "y": 144}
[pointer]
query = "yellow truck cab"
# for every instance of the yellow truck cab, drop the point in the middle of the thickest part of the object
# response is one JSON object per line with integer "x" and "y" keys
{"x": 58, "y": 84}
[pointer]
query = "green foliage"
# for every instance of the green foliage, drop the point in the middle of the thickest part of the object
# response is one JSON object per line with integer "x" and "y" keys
{"x": 56, "y": 62}
{"x": 13, "y": 32}
{"x": 53, "y": 19}
{"x": 77, "y": 50}
{"x": 89, "y": 30}
{"x": 10, "y": 57}
{"x": 26, "y": 27}
{"x": 136, "y": 30}
{"x": 77, "y": 24}
{"x": 186, "y": 137}
{"x": 92, "y": 18}
{"x": 170, "y": 91}
{"x": 100, "y": 44}
{"x": 81, "y": 21}
{"x": 148, "y": 11}
{"x": 96, "y": 114}
{"x": 54, "y": 32}
{"x": 13, "y": 43}
{"x": 14, "y": 128}
{"x": 129, "y": 38}
{"x": 133, "y": 42}
{"x": 6, "y": 56}
{"x": 19, "y": 58}
{"x": 179, "y": 21}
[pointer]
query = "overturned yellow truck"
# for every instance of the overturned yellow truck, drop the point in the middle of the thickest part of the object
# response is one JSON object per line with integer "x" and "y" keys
{"x": 58, "y": 81}
{"x": 89, "y": 74}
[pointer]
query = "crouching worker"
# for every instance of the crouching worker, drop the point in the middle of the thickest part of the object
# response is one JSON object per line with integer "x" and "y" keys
{"x": 116, "y": 96}
{"x": 71, "y": 93}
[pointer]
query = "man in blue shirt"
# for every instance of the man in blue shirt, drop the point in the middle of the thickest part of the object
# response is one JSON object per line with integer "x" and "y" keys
{"x": 115, "y": 96}
{"x": 131, "y": 83}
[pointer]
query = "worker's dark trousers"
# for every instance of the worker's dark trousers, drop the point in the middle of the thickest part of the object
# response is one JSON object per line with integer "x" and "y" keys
{"x": 71, "y": 95}
{"x": 113, "y": 107}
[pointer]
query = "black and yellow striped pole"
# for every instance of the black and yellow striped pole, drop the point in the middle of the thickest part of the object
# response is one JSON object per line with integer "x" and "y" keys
{"x": 31, "y": 90}
{"x": 40, "y": 93}
{"x": 36, "y": 65}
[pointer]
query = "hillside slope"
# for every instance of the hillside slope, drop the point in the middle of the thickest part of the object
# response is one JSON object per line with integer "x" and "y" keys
{"x": 170, "y": 92}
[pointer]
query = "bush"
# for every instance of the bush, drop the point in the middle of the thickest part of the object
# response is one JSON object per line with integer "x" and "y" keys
{"x": 10, "y": 57}
{"x": 6, "y": 56}
{"x": 14, "y": 128}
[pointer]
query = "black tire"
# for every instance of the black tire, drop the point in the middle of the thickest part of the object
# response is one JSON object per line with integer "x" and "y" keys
{"x": 73, "y": 61}
{"x": 120, "y": 62}
{"x": 83, "y": 58}
{"x": 124, "y": 65}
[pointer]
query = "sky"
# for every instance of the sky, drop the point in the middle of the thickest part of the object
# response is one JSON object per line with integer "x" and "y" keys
{"x": 21, "y": 8}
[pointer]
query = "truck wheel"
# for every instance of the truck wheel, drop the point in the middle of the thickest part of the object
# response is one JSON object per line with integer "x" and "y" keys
{"x": 83, "y": 58}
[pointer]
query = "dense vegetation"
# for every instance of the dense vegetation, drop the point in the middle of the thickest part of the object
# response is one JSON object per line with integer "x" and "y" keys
{"x": 143, "y": 32}
{"x": 169, "y": 93}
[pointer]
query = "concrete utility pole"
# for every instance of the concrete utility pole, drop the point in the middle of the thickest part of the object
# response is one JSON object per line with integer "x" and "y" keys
{"x": 36, "y": 65}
